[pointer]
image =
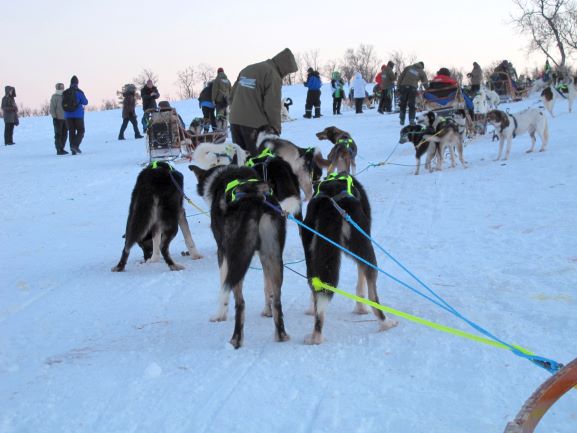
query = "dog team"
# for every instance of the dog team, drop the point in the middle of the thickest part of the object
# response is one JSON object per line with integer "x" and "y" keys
{"x": 249, "y": 204}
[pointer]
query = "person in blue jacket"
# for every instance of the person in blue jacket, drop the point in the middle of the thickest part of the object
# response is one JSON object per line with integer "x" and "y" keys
{"x": 75, "y": 119}
{"x": 207, "y": 106}
{"x": 314, "y": 84}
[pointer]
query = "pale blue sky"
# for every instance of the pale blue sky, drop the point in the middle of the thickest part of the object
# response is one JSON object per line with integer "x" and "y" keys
{"x": 106, "y": 43}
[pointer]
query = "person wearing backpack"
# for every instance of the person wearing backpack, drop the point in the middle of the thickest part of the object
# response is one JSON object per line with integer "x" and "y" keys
{"x": 58, "y": 121}
{"x": 128, "y": 111}
{"x": 73, "y": 102}
{"x": 10, "y": 114}
{"x": 338, "y": 85}
{"x": 313, "y": 84}
{"x": 207, "y": 107}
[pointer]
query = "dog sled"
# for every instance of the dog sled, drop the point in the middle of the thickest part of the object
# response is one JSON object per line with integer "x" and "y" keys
{"x": 508, "y": 89}
{"x": 163, "y": 134}
{"x": 445, "y": 100}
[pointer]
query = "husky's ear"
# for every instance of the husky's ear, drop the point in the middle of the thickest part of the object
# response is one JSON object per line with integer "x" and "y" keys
{"x": 199, "y": 172}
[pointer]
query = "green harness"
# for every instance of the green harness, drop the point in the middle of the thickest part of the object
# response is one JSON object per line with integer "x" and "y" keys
{"x": 232, "y": 187}
{"x": 260, "y": 158}
{"x": 335, "y": 177}
{"x": 154, "y": 165}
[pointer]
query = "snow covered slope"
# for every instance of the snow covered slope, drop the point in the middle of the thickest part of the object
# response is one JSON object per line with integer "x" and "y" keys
{"x": 83, "y": 349}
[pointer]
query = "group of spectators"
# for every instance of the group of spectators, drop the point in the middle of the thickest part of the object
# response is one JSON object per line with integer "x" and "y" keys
{"x": 254, "y": 100}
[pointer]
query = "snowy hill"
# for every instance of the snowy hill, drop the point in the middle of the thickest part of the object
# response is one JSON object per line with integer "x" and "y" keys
{"x": 83, "y": 349}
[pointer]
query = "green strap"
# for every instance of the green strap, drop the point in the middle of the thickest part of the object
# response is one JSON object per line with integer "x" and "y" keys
{"x": 318, "y": 285}
{"x": 154, "y": 165}
{"x": 337, "y": 177}
{"x": 266, "y": 153}
{"x": 233, "y": 185}
{"x": 346, "y": 141}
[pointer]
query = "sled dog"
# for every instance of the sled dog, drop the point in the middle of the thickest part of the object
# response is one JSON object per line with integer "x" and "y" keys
{"x": 155, "y": 214}
{"x": 244, "y": 219}
{"x": 208, "y": 155}
{"x": 324, "y": 260}
{"x": 551, "y": 94}
{"x": 342, "y": 156}
{"x": 508, "y": 126}
{"x": 305, "y": 163}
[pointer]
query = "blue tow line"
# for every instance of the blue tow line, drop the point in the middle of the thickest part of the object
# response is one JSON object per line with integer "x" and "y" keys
{"x": 546, "y": 363}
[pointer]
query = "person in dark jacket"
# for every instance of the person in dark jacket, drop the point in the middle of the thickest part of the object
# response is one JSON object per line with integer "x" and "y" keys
{"x": 338, "y": 86}
{"x": 149, "y": 94}
{"x": 476, "y": 77}
{"x": 10, "y": 114}
{"x": 221, "y": 93}
{"x": 256, "y": 99}
{"x": 129, "y": 111}
{"x": 408, "y": 83}
{"x": 58, "y": 120}
{"x": 75, "y": 119}
{"x": 386, "y": 82}
{"x": 313, "y": 83}
{"x": 207, "y": 107}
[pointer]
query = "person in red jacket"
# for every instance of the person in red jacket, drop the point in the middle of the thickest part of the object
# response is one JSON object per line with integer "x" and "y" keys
{"x": 443, "y": 84}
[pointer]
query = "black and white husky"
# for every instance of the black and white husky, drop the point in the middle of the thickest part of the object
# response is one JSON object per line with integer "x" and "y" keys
{"x": 155, "y": 214}
{"x": 305, "y": 163}
{"x": 243, "y": 223}
{"x": 324, "y": 260}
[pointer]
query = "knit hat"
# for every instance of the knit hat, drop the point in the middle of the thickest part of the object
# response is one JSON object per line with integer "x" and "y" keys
{"x": 390, "y": 64}
{"x": 310, "y": 70}
{"x": 219, "y": 70}
{"x": 421, "y": 64}
{"x": 74, "y": 80}
{"x": 383, "y": 67}
{"x": 59, "y": 86}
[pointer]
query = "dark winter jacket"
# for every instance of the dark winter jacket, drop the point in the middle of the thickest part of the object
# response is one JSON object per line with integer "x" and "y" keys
{"x": 128, "y": 105}
{"x": 411, "y": 76}
{"x": 81, "y": 101}
{"x": 476, "y": 75}
{"x": 221, "y": 89}
{"x": 9, "y": 107}
{"x": 313, "y": 81}
{"x": 388, "y": 77}
{"x": 149, "y": 97}
{"x": 205, "y": 97}
{"x": 256, "y": 95}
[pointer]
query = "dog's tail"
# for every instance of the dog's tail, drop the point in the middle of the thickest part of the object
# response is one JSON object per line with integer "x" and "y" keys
{"x": 545, "y": 129}
{"x": 240, "y": 154}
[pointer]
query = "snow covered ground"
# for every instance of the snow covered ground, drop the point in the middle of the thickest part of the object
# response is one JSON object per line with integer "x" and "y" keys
{"x": 83, "y": 349}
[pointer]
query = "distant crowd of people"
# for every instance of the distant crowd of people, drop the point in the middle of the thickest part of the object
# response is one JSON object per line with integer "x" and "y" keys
{"x": 254, "y": 101}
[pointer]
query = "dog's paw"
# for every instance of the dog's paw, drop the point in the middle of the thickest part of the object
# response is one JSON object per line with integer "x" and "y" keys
{"x": 387, "y": 324}
{"x": 315, "y": 338}
{"x": 176, "y": 267}
{"x": 530, "y": 151}
{"x": 282, "y": 337}
{"x": 360, "y": 309}
{"x": 218, "y": 318}
{"x": 266, "y": 312}
{"x": 153, "y": 259}
{"x": 310, "y": 311}
{"x": 541, "y": 150}
{"x": 117, "y": 268}
{"x": 236, "y": 342}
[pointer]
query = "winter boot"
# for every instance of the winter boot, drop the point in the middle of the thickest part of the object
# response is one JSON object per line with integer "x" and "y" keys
{"x": 121, "y": 136}
{"x": 308, "y": 114}
{"x": 317, "y": 112}
{"x": 139, "y": 136}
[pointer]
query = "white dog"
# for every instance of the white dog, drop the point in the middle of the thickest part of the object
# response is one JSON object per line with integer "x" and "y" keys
{"x": 208, "y": 155}
{"x": 508, "y": 126}
{"x": 486, "y": 100}
{"x": 550, "y": 94}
